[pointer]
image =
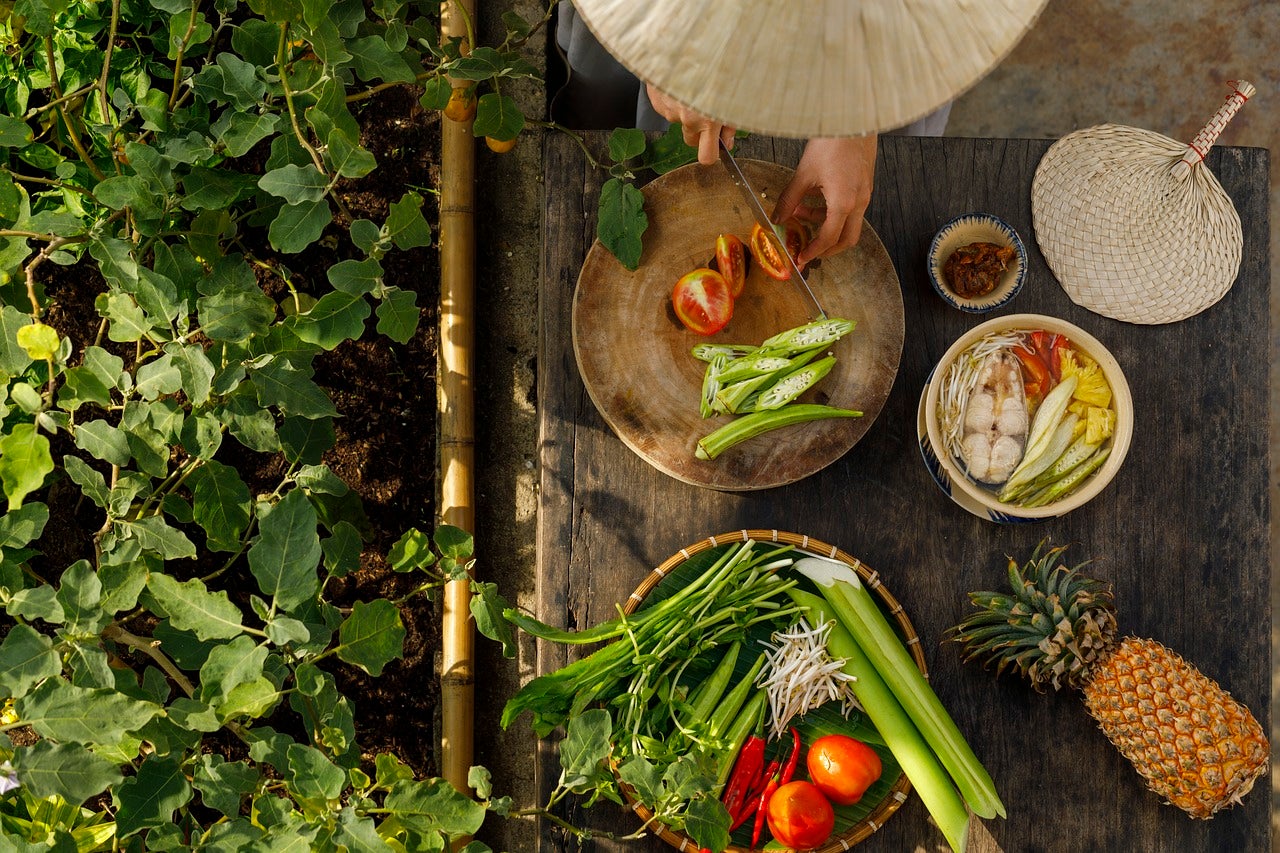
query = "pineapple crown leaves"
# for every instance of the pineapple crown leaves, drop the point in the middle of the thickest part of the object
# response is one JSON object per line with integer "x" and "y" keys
{"x": 1052, "y": 628}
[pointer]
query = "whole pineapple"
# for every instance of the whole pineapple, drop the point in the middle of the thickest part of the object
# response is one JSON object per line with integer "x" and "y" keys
{"x": 1196, "y": 746}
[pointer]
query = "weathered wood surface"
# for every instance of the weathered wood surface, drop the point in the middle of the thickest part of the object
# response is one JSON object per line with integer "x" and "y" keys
{"x": 1183, "y": 532}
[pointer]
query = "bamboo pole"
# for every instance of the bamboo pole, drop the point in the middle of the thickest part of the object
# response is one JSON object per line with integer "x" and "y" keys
{"x": 456, "y": 420}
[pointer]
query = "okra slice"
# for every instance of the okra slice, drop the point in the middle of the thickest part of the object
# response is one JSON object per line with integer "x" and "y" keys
{"x": 795, "y": 383}
{"x": 730, "y": 398}
{"x": 709, "y": 352}
{"x": 821, "y": 333}
{"x": 711, "y": 385}
{"x": 751, "y": 366}
{"x": 758, "y": 423}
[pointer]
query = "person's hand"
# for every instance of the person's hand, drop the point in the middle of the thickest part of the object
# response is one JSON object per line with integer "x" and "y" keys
{"x": 700, "y": 131}
{"x": 842, "y": 171}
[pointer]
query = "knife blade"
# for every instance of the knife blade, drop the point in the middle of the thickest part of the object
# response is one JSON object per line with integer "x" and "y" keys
{"x": 762, "y": 218}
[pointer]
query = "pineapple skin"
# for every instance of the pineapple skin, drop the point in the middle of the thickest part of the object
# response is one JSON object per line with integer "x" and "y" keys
{"x": 1196, "y": 746}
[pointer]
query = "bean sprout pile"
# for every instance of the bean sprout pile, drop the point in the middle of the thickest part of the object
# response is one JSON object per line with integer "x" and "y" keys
{"x": 799, "y": 675}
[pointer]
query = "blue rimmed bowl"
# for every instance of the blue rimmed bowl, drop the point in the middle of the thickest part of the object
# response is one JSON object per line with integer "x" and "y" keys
{"x": 977, "y": 228}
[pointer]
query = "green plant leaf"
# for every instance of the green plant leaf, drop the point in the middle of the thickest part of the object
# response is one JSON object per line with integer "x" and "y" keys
{"x": 435, "y": 93}
{"x": 158, "y": 377}
{"x": 92, "y": 483}
{"x": 14, "y": 133}
{"x": 337, "y": 317}
{"x": 356, "y": 277}
{"x": 80, "y": 594}
{"x": 373, "y": 59}
{"x": 406, "y": 226}
{"x": 282, "y": 385}
{"x": 223, "y": 785}
{"x": 40, "y": 341}
{"x": 103, "y": 441}
{"x": 584, "y": 749}
{"x": 287, "y": 551}
{"x": 359, "y": 834}
{"x": 233, "y": 316}
{"x": 306, "y": 439}
{"x": 220, "y": 504}
{"x": 342, "y": 550}
{"x": 121, "y": 583}
{"x": 372, "y": 636}
{"x": 411, "y": 551}
{"x": 195, "y": 370}
{"x": 706, "y": 820}
{"x": 487, "y": 607}
{"x": 24, "y": 463}
{"x": 622, "y": 221}
{"x": 313, "y": 776}
{"x": 398, "y": 314}
{"x": 453, "y": 542}
{"x": 295, "y": 184}
{"x": 155, "y": 535}
{"x": 499, "y": 116}
{"x": 37, "y": 602}
{"x": 150, "y": 797}
{"x": 26, "y": 658}
{"x": 23, "y": 526}
{"x": 297, "y": 226}
{"x": 644, "y": 776}
{"x": 239, "y": 131}
{"x": 669, "y": 151}
{"x": 434, "y": 806}
{"x": 346, "y": 157}
{"x": 191, "y": 607}
{"x": 625, "y": 143}
{"x": 63, "y": 712}
{"x": 69, "y": 771}
{"x": 13, "y": 358}
{"x": 229, "y": 666}
{"x": 201, "y": 435}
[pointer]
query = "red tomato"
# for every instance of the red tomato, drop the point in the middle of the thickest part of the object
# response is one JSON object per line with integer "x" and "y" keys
{"x": 842, "y": 768}
{"x": 703, "y": 301}
{"x": 797, "y": 236}
{"x": 800, "y": 816}
{"x": 768, "y": 254}
{"x": 731, "y": 258}
{"x": 1035, "y": 373}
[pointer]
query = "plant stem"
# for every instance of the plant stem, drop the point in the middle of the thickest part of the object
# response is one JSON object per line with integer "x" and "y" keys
{"x": 182, "y": 49}
{"x": 106, "y": 59}
{"x": 575, "y": 136}
{"x": 72, "y": 135}
{"x": 151, "y": 648}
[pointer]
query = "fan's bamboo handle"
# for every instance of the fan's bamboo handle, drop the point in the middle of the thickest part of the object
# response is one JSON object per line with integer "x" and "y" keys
{"x": 1204, "y": 140}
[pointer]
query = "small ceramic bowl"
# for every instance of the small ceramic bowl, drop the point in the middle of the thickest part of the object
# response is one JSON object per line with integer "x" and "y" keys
{"x": 977, "y": 228}
{"x": 982, "y": 500}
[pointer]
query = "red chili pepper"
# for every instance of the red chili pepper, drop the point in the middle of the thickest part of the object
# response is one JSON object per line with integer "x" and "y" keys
{"x": 789, "y": 769}
{"x": 762, "y": 806}
{"x": 752, "y": 803}
{"x": 746, "y": 770}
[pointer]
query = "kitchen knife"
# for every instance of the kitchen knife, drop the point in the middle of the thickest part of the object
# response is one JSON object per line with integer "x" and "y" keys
{"x": 762, "y": 218}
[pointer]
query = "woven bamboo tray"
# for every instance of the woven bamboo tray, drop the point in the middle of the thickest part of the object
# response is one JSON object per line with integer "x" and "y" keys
{"x": 1134, "y": 225}
{"x": 901, "y": 787}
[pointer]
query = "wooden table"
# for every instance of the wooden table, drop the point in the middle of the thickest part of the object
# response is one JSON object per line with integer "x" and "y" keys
{"x": 1182, "y": 533}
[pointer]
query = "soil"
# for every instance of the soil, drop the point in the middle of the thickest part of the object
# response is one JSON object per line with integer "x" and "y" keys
{"x": 385, "y": 449}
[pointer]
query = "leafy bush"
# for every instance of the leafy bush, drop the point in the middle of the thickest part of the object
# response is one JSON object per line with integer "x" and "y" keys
{"x": 179, "y": 668}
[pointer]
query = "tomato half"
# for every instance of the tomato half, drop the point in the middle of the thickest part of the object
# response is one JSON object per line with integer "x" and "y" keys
{"x": 703, "y": 301}
{"x": 731, "y": 258}
{"x": 768, "y": 254}
{"x": 767, "y": 250}
{"x": 842, "y": 767}
{"x": 800, "y": 816}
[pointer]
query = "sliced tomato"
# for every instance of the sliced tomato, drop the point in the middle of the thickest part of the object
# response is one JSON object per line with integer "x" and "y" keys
{"x": 731, "y": 258}
{"x": 767, "y": 252}
{"x": 1035, "y": 373}
{"x": 797, "y": 236}
{"x": 703, "y": 301}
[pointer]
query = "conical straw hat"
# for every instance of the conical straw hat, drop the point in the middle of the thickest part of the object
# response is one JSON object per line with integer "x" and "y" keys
{"x": 1133, "y": 225}
{"x": 810, "y": 67}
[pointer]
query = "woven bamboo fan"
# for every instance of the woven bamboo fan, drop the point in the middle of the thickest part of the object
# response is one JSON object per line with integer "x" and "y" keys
{"x": 1132, "y": 223}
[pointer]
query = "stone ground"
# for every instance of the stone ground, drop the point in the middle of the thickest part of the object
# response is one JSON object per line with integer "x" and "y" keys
{"x": 1161, "y": 67}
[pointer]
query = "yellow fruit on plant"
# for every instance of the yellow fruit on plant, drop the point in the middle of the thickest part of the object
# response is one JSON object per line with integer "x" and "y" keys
{"x": 500, "y": 146}
{"x": 462, "y": 104}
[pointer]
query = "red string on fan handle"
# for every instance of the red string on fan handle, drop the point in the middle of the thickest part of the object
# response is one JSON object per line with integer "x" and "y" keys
{"x": 1199, "y": 147}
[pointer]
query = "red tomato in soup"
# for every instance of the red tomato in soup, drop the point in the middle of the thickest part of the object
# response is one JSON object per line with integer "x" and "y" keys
{"x": 842, "y": 768}
{"x": 800, "y": 816}
{"x": 703, "y": 301}
{"x": 731, "y": 258}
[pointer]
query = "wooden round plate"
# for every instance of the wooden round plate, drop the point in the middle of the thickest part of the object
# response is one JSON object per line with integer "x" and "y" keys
{"x": 634, "y": 355}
